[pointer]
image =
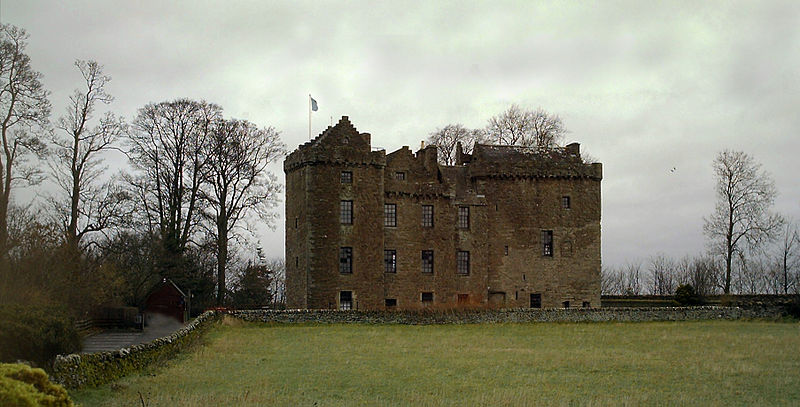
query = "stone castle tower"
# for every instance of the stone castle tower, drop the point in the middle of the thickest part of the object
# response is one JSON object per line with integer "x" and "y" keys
{"x": 505, "y": 227}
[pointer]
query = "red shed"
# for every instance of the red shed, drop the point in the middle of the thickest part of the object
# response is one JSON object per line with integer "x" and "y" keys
{"x": 168, "y": 300}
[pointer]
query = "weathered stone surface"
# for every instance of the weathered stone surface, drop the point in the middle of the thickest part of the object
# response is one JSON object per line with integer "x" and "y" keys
{"x": 513, "y": 195}
{"x": 467, "y": 316}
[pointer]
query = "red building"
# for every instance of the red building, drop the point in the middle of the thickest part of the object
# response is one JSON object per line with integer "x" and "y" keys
{"x": 168, "y": 300}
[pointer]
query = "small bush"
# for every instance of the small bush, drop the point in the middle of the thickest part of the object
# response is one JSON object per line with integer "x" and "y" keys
{"x": 21, "y": 385}
{"x": 793, "y": 309}
{"x": 685, "y": 295}
{"x": 36, "y": 334}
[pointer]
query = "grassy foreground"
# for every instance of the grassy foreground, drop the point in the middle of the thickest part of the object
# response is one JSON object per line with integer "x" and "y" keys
{"x": 683, "y": 363}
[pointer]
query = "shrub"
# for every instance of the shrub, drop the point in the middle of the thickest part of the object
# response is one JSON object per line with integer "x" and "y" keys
{"x": 793, "y": 308}
{"x": 21, "y": 385}
{"x": 36, "y": 334}
{"x": 685, "y": 295}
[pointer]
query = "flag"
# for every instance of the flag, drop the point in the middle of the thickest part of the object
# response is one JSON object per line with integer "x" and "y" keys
{"x": 313, "y": 104}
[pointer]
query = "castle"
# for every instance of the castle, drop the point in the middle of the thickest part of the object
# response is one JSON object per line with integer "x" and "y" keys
{"x": 505, "y": 227}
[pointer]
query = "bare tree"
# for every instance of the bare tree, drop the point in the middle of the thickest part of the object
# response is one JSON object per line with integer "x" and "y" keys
{"x": 611, "y": 281}
{"x": 237, "y": 182}
{"x": 87, "y": 205}
{"x": 662, "y": 275}
{"x": 527, "y": 128}
{"x": 278, "y": 282}
{"x": 24, "y": 107}
{"x": 742, "y": 218}
{"x": 446, "y": 140}
{"x": 167, "y": 145}
{"x": 789, "y": 255}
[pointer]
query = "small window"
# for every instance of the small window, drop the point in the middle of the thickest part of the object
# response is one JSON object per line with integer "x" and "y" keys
{"x": 346, "y": 260}
{"x": 296, "y": 261}
{"x": 346, "y": 177}
{"x": 427, "y": 297}
{"x": 391, "y": 302}
{"x": 565, "y": 202}
{"x": 346, "y": 212}
{"x": 565, "y": 304}
{"x": 400, "y": 176}
{"x": 390, "y": 261}
{"x": 345, "y": 300}
{"x": 296, "y": 221}
{"x": 536, "y": 300}
{"x": 389, "y": 215}
{"x": 506, "y": 250}
{"x": 427, "y": 216}
{"x": 427, "y": 261}
{"x": 463, "y": 217}
{"x": 586, "y": 304}
{"x": 463, "y": 299}
{"x": 462, "y": 258}
{"x": 547, "y": 243}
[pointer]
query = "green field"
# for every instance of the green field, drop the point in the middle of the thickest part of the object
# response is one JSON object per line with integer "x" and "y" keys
{"x": 677, "y": 363}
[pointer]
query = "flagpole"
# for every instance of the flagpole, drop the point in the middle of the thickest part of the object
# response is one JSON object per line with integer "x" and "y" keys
{"x": 309, "y": 116}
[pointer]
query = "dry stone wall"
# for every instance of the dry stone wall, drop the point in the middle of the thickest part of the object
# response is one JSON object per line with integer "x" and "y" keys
{"x": 508, "y": 315}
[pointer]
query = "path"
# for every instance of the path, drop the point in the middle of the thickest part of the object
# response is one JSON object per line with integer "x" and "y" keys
{"x": 113, "y": 340}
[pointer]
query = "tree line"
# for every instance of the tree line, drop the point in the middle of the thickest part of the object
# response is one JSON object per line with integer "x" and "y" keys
{"x": 750, "y": 248}
{"x": 181, "y": 208}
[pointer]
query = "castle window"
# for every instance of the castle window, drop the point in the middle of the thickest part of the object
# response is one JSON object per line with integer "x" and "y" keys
{"x": 427, "y": 261}
{"x": 565, "y": 304}
{"x": 345, "y": 300}
{"x": 346, "y": 260}
{"x": 463, "y": 217}
{"x": 296, "y": 221}
{"x": 346, "y": 177}
{"x": 506, "y": 251}
{"x": 389, "y": 215}
{"x": 586, "y": 304}
{"x": 400, "y": 176}
{"x": 462, "y": 258}
{"x": 565, "y": 202}
{"x": 547, "y": 243}
{"x": 346, "y": 212}
{"x": 536, "y": 300}
{"x": 427, "y": 297}
{"x": 427, "y": 216}
{"x": 390, "y": 261}
{"x": 391, "y": 302}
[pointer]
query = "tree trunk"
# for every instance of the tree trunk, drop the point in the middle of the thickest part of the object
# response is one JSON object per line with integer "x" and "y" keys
{"x": 222, "y": 256}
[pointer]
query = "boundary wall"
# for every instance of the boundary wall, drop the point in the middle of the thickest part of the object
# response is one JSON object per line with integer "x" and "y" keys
{"x": 633, "y": 314}
{"x": 93, "y": 369}
{"x": 79, "y": 370}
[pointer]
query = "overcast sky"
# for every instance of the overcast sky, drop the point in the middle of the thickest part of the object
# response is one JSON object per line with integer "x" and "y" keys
{"x": 644, "y": 86}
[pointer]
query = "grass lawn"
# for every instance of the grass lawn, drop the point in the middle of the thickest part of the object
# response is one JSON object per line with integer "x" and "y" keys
{"x": 658, "y": 363}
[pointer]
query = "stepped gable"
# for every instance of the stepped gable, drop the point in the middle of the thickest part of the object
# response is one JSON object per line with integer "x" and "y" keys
{"x": 338, "y": 144}
{"x": 530, "y": 162}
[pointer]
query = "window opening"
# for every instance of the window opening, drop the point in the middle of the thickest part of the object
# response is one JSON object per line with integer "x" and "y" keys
{"x": 547, "y": 243}
{"x": 345, "y": 300}
{"x": 427, "y": 216}
{"x": 462, "y": 265}
{"x": 390, "y": 261}
{"x": 389, "y": 215}
{"x": 346, "y": 260}
{"x": 346, "y": 212}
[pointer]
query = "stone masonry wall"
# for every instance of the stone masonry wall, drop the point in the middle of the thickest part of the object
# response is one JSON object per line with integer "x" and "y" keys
{"x": 508, "y": 315}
